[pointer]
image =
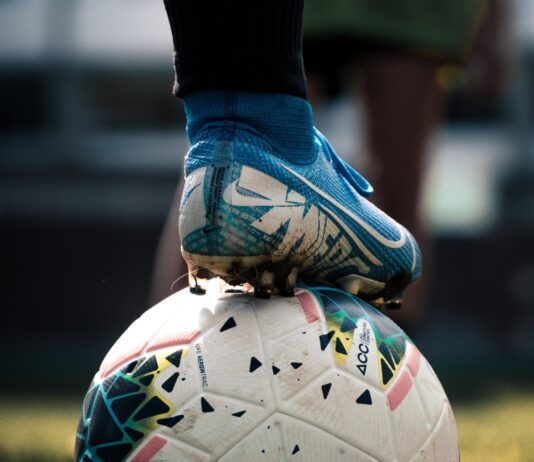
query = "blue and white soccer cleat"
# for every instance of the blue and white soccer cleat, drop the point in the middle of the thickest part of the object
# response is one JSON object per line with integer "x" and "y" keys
{"x": 267, "y": 199}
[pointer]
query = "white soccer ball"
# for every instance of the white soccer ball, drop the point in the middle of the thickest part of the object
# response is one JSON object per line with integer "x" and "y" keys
{"x": 321, "y": 376}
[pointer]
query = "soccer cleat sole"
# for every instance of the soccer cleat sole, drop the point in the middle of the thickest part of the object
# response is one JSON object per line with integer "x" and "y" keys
{"x": 270, "y": 275}
{"x": 265, "y": 274}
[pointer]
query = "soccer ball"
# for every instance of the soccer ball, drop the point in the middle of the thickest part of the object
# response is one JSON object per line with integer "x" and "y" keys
{"x": 321, "y": 376}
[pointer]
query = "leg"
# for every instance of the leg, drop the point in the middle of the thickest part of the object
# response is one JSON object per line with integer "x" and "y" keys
{"x": 237, "y": 45}
{"x": 211, "y": 53}
{"x": 403, "y": 104}
{"x": 266, "y": 197}
{"x": 170, "y": 271}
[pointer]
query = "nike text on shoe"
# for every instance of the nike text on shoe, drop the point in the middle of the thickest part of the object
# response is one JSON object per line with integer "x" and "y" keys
{"x": 266, "y": 199}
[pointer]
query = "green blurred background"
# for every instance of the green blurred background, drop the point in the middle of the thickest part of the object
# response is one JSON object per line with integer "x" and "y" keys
{"x": 91, "y": 145}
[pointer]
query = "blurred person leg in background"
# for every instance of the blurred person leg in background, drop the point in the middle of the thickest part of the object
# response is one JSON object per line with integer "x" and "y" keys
{"x": 170, "y": 272}
{"x": 399, "y": 55}
{"x": 402, "y": 103}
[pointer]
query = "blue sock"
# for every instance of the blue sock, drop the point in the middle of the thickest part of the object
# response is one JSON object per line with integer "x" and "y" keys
{"x": 285, "y": 121}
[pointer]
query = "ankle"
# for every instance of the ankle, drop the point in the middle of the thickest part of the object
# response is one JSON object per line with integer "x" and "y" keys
{"x": 285, "y": 121}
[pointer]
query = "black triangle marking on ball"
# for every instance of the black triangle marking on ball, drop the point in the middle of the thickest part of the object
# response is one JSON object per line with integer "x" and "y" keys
{"x": 239, "y": 414}
{"x": 386, "y": 353}
{"x": 88, "y": 402}
{"x": 326, "y": 389}
{"x": 340, "y": 348}
{"x": 254, "y": 364}
{"x": 296, "y": 365}
{"x": 152, "y": 408}
{"x": 134, "y": 434}
{"x": 169, "y": 384}
{"x": 229, "y": 324}
{"x": 348, "y": 324}
{"x": 124, "y": 407}
{"x": 206, "y": 407}
{"x": 396, "y": 357}
{"x": 121, "y": 387}
{"x": 103, "y": 427}
{"x": 170, "y": 421}
{"x": 325, "y": 339}
{"x": 276, "y": 370}
{"x": 387, "y": 374}
{"x": 175, "y": 358}
{"x": 295, "y": 449}
{"x": 365, "y": 398}
{"x": 149, "y": 365}
{"x": 146, "y": 380}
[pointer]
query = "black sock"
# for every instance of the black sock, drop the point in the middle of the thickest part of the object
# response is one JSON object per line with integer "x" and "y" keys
{"x": 253, "y": 45}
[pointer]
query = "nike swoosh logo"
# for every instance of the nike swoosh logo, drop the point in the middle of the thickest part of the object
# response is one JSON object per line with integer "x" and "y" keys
{"x": 273, "y": 193}
{"x": 373, "y": 232}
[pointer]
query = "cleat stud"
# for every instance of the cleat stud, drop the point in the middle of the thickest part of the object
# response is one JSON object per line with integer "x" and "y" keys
{"x": 393, "y": 305}
{"x": 288, "y": 286}
{"x": 288, "y": 281}
{"x": 195, "y": 286}
{"x": 288, "y": 293}
{"x": 262, "y": 293}
{"x": 395, "y": 301}
{"x": 197, "y": 290}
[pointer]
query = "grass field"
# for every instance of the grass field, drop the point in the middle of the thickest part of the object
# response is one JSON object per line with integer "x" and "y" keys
{"x": 498, "y": 428}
